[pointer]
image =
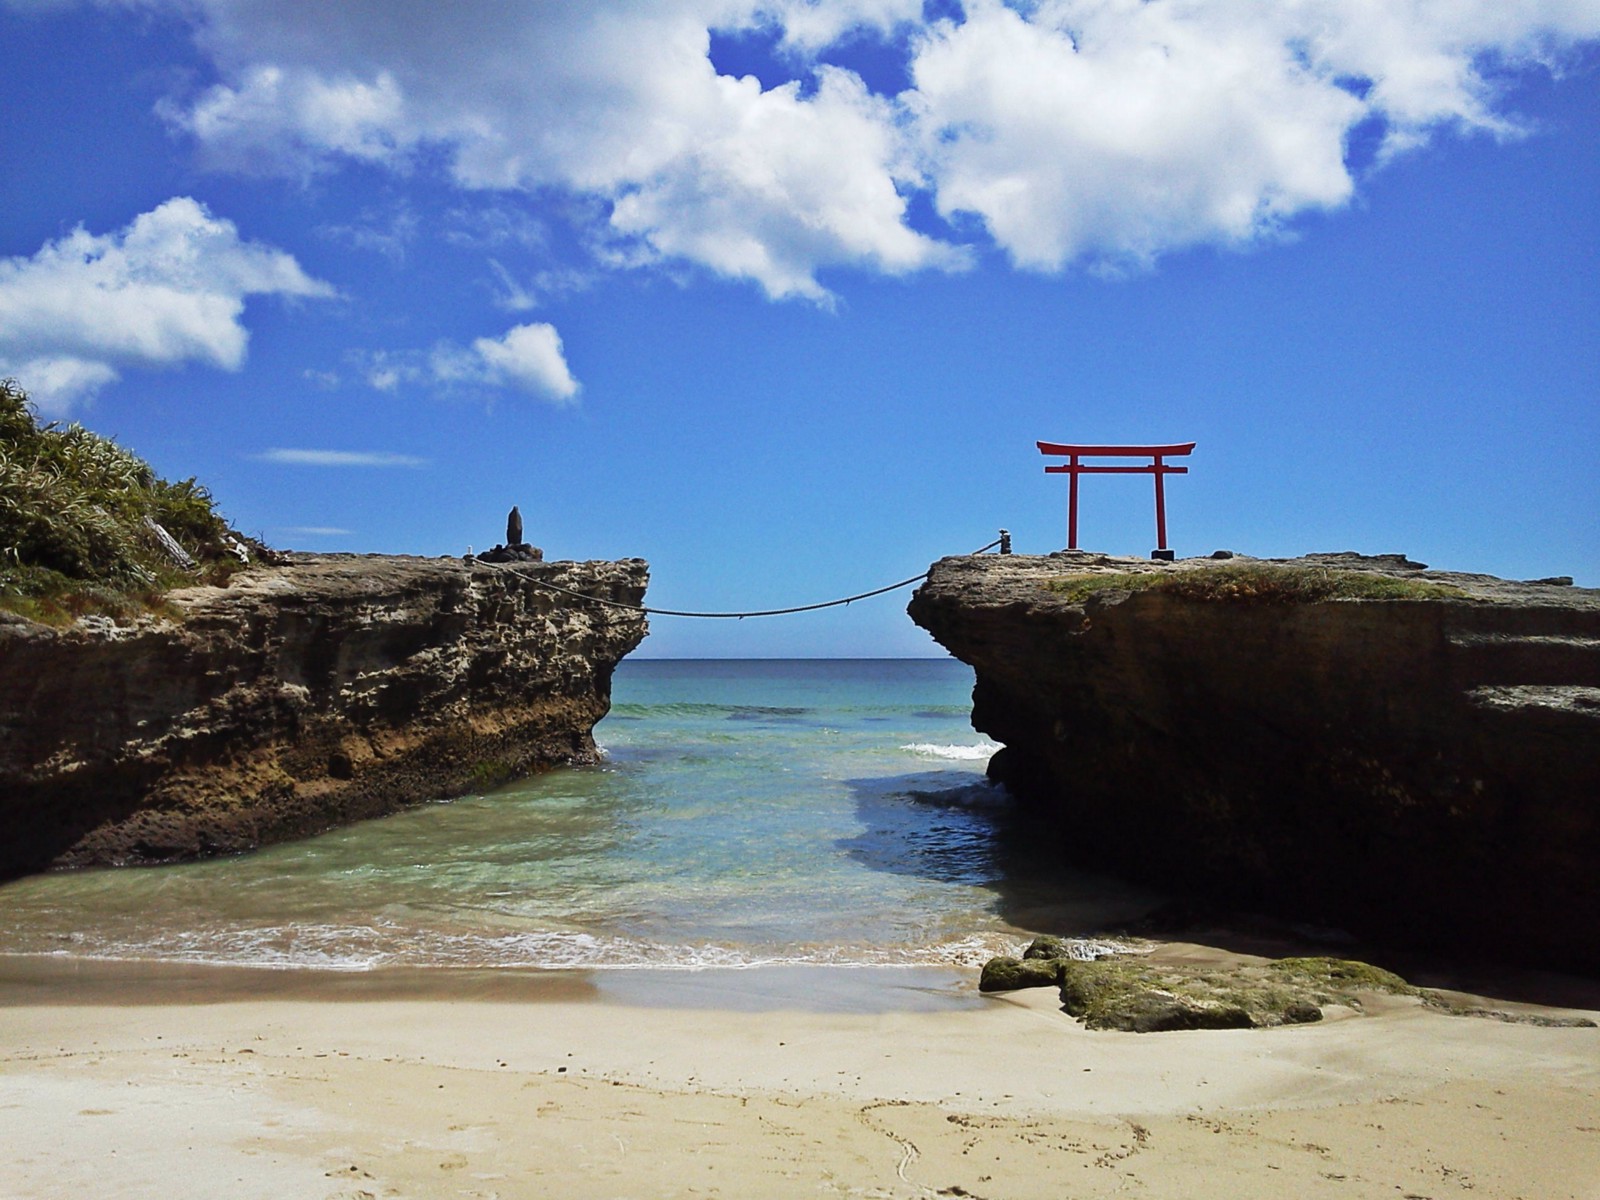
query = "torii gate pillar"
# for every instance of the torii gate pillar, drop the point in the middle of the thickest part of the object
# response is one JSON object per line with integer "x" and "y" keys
{"x": 1157, "y": 467}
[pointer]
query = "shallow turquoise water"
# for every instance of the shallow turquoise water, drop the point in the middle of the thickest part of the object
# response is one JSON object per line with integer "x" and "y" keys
{"x": 803, "y": 811}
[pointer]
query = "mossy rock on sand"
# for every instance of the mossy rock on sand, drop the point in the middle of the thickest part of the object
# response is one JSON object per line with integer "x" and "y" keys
{"x": 1010, "y": 974}
{"x": 1038, "y": 966}
{"x": 1139, "y": 995}
{"x": 1048, "y": 947}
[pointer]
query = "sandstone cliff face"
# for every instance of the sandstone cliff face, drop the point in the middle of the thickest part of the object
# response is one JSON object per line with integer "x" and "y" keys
{"x": 299, "y": 697}
{"x": 1422, "y": 771}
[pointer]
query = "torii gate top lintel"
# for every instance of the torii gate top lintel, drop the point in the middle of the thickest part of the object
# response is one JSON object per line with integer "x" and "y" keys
{"x": 1155, "y": 467}
{"x": 1179, "y": 449}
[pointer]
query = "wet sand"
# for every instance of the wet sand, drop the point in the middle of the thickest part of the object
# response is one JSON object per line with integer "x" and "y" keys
{"x": 169, "y": 1082}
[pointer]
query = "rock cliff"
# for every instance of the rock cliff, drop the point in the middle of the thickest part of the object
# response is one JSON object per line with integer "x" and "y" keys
{"x": 1422, "y": 768}
{"x": 299, "y": 697}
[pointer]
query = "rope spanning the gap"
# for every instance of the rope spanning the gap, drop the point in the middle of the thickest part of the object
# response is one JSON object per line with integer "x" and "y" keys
{"x": 769, "y": 612}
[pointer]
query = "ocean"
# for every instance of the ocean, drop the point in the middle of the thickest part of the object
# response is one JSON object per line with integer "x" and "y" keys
{"x": 747, "y": 813}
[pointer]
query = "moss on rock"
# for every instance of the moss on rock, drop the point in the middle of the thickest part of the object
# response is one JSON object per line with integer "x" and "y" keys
{"x": 1048, "y": 947}
{"x": 1138, "y": 996}
{"x": 1340, "y": 975}
{"x": 1255, "y": 583}
{"x": 1010, "y": 974}
{"x": 1145, "y": 995}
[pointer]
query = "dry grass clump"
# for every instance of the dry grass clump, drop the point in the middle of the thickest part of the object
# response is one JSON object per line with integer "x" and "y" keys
{"x": 1256, "y": 583}
{"x": 73, "y": 531}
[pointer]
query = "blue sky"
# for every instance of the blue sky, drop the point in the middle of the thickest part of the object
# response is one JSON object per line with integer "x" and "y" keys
{"x": 780, "y": 295}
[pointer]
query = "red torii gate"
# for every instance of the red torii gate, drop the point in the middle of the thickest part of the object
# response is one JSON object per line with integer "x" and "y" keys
{"x": 1073, "y": 468}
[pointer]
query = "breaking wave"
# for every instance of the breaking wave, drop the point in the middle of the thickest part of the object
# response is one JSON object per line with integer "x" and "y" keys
{"x": 953, "y": 753}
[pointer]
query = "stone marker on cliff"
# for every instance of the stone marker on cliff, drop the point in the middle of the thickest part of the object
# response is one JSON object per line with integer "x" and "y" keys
{"x": 515, "y": 549}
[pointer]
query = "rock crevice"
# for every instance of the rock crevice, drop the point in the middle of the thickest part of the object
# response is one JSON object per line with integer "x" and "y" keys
{"x": 302, "y": 696}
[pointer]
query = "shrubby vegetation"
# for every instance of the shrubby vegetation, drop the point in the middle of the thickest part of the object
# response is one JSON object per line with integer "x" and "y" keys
{"x": 1257, "y": 583}
{"x": 73, "y": 531}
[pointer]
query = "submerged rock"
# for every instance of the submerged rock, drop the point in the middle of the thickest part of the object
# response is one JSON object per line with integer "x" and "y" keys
{"x": 299, "y": 697}
{"x": 1352, "y": 741}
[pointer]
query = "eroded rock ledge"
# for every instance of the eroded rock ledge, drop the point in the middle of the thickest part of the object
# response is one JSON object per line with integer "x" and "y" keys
{"x": 299, "y": 697}
{"x": 1422, "y": 770}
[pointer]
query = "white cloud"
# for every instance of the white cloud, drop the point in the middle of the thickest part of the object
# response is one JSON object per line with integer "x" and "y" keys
{"x": 494, "y": 226}
{"x": 389, "y": 235}
{"x": 340, "y": 458}
{"x": 1435, "y": 64}
{"x": 1099, "y": 131}
{"x": 810, "y": 25}
{"x": 617, "y": 101}
{"x": 1130, "y": 131}
{"x": 528, "y": 358}
{"x": 511, "y": 295}
{"x": 56, "y": 384}
{"x": 285, "y": 121}
{"x": 167, "y": 289}
{"x": 833, "y": 160}
{"x": 1113, "y": 131}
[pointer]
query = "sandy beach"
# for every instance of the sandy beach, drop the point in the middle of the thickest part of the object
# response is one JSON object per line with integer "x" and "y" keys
{"x": 177, "y": 1082}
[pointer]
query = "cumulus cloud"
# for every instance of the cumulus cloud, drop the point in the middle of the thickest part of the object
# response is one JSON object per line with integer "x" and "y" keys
{"x": 275, "y": 121}
{"x": 1434, "y": 65}
{"x": 788, "y": 184}
{"x": 1131, "y": 130}
{"x": 340, "y": 458}
{"x": 56, "y": 383}
{"x": 527, "y": 358}
{"x": 169, "y": 288}
{"x": 1059, "y": 131}
{"x": 615, "y": 101}
{"x": 810, "y": 25}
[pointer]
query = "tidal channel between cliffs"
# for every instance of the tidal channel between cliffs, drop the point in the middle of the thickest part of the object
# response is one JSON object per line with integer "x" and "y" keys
{"x": 797, "y": 812}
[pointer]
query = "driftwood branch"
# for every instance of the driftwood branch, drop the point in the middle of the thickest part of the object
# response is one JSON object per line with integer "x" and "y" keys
{"x": 170, "y": 544}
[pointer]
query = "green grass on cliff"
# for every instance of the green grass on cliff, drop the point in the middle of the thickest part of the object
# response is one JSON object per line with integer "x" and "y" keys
{"x": 73, "y": 538}
{"x": 1256, "y": 583}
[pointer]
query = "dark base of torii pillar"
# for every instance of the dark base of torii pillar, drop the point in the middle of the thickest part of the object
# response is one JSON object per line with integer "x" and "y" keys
{"x": 1163, "y": 555}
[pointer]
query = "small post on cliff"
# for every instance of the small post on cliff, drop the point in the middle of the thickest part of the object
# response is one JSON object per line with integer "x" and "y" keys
{"x": 1157, "y": 467}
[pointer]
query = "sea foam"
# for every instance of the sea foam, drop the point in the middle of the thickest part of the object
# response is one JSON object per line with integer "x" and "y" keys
{"x": 956, "y": 753}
